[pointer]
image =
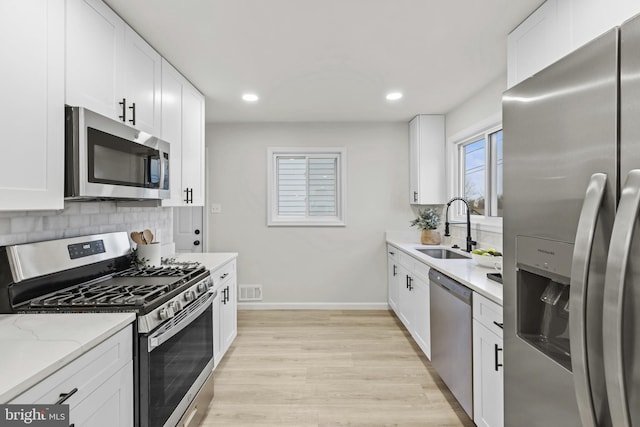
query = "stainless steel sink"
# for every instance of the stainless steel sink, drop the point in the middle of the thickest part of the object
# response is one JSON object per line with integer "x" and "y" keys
{"x": 442, "y": 253}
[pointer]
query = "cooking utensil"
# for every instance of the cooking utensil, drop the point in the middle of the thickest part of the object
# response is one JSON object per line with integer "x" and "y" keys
{"x": 137, "y": 237}
{"x": 148, "y": 236}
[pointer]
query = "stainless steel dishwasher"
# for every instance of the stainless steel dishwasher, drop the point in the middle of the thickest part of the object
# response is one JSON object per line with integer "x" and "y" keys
{"x": 451, "y": 342}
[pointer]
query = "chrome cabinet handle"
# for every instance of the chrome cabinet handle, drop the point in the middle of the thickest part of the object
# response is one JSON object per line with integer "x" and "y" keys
{"x": 614, "y": 286}
{"x": 578, "y": 296}
{"x": 499, "y": 325}
{"x": 415, "y": 196}
{"x": 395, "y": 270}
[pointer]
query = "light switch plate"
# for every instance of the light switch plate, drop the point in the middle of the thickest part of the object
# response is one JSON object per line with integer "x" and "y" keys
{"x": 216, "y": 208}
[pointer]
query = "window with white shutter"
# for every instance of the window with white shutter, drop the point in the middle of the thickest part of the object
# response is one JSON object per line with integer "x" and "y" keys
{"x": 306, "y": 186}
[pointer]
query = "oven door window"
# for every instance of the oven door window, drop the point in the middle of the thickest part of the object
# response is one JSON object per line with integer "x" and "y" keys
{"x": 117, "y": 161}
{"x": 175, "y": 365}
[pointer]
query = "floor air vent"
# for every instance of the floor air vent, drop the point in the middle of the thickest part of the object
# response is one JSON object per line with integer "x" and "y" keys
{"x": 250, "y": 293}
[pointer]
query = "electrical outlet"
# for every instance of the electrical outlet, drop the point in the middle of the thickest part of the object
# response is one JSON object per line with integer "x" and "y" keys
{"x": 216, "y": 208}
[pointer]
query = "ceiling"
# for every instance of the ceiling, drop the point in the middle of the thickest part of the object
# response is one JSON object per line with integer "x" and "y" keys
{"x": 330, "y": 60}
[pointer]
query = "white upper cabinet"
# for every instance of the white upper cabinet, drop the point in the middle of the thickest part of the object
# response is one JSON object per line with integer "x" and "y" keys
{"x": 109, "y": 68}
{"x": 590, "y": 18}
{"x": 557, "y": 28}
{"x": 32, "y": 145}
{"x": 193, "y": 146}
{"x": 94, "y": 39}
{"x": 427, "y": 176}
{"x": 142, "y": 77}
{"x": 539, "y": 41}
{"x": 183, "y": 128}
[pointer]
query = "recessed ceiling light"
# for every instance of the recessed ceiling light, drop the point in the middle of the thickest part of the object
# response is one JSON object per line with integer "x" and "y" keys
{"x": 250, "y": 97}
{"x": 394, "y": 96}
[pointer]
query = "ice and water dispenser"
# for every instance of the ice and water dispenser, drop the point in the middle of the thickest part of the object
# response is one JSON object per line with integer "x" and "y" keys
{"x": 543, "y": 276}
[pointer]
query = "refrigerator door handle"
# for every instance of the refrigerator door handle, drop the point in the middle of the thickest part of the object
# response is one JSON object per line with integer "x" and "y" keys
{"x": 614, "y": 284}
{"x": 578, "y": 294}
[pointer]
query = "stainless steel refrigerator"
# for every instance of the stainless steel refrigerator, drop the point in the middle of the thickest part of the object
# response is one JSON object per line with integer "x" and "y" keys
{"x": 571, "y": 259}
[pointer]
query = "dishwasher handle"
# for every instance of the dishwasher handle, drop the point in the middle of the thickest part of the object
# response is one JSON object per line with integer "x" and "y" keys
{"x": 454, "y": 288}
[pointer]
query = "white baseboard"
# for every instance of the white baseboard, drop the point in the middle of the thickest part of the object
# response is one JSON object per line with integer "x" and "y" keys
{"x": 313, "y": 306}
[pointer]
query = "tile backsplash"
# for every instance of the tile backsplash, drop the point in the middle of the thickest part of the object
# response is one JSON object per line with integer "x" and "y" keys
{"x": 82, "y": 218}
{"x": 486, "y": 239}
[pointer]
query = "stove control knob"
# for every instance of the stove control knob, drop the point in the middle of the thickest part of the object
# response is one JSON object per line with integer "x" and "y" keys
{"x": 176, "y": 306}
{"x": 163, "y": 314}
{"x": 189, "y": 296}
{"x": 202, "y": 286}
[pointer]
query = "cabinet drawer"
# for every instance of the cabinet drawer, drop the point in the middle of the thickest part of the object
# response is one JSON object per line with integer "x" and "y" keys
{"x": 392, "y": 252}
{"x": 487, "y": 313}
{"x": 406, "y": 261}
{"x": 86, "y": 373}
{"x": 224, "y": 273}
{"x": 421, "y": 270}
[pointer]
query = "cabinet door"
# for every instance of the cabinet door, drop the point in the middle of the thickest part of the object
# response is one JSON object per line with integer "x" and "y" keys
{"x": 94, "y": 41}
{"x": 110, "y": 405}
{"x": 229, "y": 314}
{"x": 193, "y": 145}
{"x": 590, "y": 18}
{"x": 427, "y": 160}
{"x": 421, "y": 321}
{"x": 142, "y": 77}
{"x": 172, "y": 86}
{"x": 414, "y": 161}
{"x": 543, "y": 38}
{"x": 393, "y": 276}
{"x": 32, "y": 122}
{"x": 488, "y": 383}
{"x": 404, "y": 300}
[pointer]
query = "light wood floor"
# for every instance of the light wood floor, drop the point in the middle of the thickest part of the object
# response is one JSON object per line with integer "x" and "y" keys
{"x": 328, "y": 368}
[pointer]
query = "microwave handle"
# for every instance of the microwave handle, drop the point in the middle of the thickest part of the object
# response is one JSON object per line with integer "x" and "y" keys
{"x": 164, "y": 167}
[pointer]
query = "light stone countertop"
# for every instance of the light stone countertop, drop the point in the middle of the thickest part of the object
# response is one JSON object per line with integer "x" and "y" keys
{"x": 211, "y": 260}
{"x": 464, "y": 271}
{"x": 34, "y": 346}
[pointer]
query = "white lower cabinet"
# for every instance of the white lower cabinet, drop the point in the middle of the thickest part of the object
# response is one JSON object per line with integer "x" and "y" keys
{"x": 225, "y": 323}
{"x": 99, "y": 385}
{"x": 393, "y": 277}
{"x": 488, "y": 372}
{"x": 412, "y": 306}
{"x": 421, "y": 331}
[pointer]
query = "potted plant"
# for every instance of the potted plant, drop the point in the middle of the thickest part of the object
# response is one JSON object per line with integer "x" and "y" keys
{"x": 428, "y": 220}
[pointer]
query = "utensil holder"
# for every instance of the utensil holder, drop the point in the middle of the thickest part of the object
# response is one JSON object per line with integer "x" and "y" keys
{"x": 149, "y": 254}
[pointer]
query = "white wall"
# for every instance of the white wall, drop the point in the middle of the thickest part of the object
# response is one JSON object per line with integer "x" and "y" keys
{"x": 479, "y": 111}
{"x": 484, "y": 105}
{"x": 306, "y": 265}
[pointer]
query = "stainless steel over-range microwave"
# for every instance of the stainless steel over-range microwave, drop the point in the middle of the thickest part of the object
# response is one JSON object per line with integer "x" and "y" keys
{"x": 107, "y": 159}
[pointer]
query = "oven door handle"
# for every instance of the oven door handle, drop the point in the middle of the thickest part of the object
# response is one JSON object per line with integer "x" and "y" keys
{"x": 165, "y": 334}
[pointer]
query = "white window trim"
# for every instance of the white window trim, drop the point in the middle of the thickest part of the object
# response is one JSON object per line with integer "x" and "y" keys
{"x": 484, "y": 223}
{"x": 275, "y": 220}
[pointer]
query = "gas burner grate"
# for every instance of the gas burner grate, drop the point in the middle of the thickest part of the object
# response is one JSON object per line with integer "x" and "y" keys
{"x": 102, "y": 295}
{"x": 163, "y": 271}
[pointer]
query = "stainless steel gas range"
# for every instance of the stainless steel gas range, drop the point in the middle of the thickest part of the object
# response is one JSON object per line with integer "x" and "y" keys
{"x": 173, "y": 348}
